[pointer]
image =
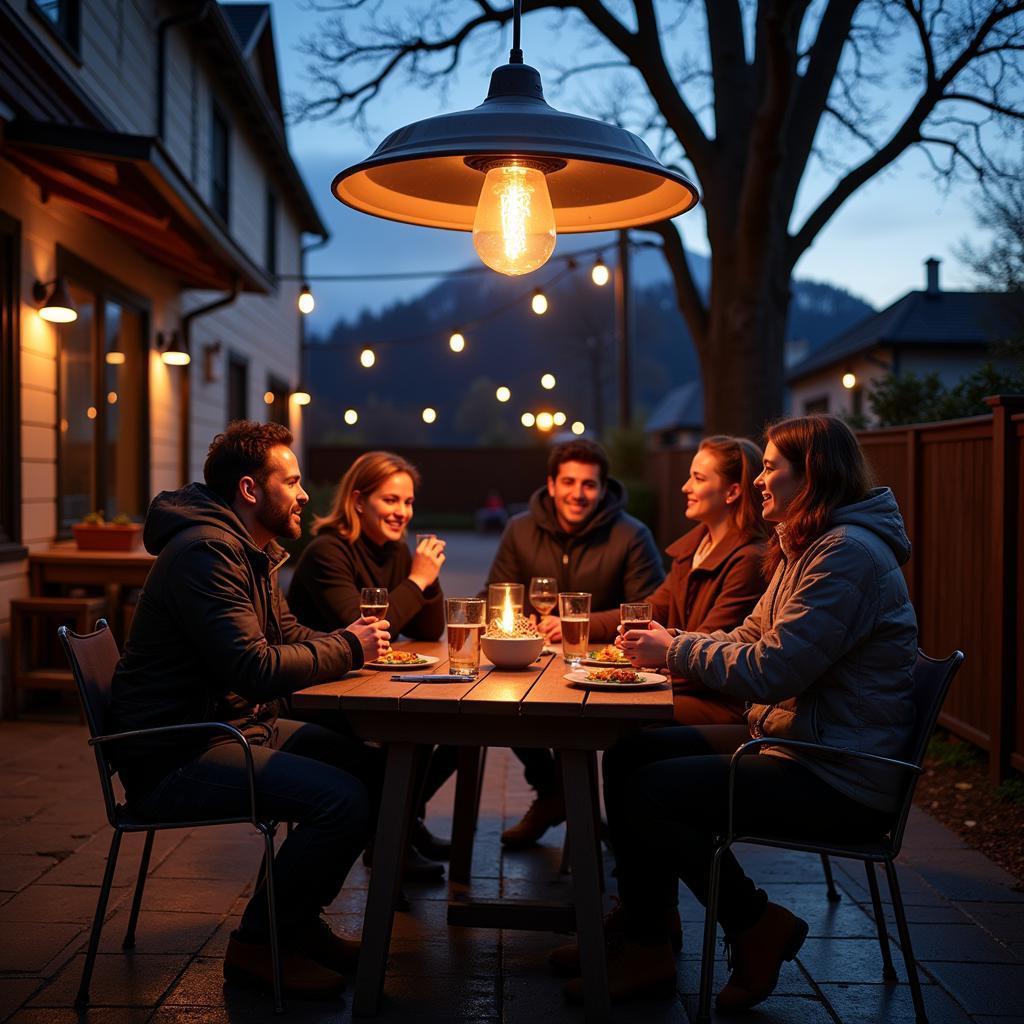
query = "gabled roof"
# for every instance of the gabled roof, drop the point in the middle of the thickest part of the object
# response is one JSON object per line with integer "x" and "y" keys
{"x": 932, "y": 319}
{"x": 247, "y": 22}
{"x": 681, "y": 409}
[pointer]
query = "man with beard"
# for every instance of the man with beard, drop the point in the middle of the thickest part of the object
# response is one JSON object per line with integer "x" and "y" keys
{"x": 213, "y": 640}
{"x": 577, "y": 532}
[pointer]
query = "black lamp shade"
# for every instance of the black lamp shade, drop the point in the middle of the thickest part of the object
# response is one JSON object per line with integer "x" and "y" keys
{"x": 431, "y": 172}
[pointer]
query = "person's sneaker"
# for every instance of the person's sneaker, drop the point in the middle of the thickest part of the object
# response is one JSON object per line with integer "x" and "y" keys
{"x": 634, "y": 972}
{"x": 545, "y": 812}
{"x": 319, "y": 941}
{"x": 248, "y": 963}
{"x": 757, "y": 955}
{"x": 428, "y": 844}
{"x": 565, "y": 960}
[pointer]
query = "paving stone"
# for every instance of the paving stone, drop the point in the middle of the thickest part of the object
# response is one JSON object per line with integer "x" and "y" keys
{"x": 792, "y": 980}
{"x": 92, "y": 1015}
{"x": 52, "y": 840}
{"x": 119, "y": 979}
{"x": 970, "y": 875}
{"x": 1004, "y": 921}
{"x": 846, "y": 960}
{"x": 960, "y": 942}
{"x": 14, "y": 992}
{"x": 983, "y": 988}
{"x": 20, "y": 870}
{"x": 891, "y": 1004}
{"x": 87, "y": 865}
{"x": 56, "y": 903}
{"x": 20, "y": 808}
{"x": 461, "y": 996}
{"x": 776, "y": 1009}
{"x": 529, "y": 1000}
{"x": 203, "y": 896}
{"x": 196, "y": 858}
{"x": 159, "y": 931}
{"x": 27, "y": 948}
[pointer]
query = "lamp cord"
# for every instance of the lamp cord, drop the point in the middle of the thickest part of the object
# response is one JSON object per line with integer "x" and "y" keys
{"x": 515, "y": 55}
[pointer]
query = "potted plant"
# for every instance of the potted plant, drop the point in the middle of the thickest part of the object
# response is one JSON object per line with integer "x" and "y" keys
{"x": 94, "y": 533}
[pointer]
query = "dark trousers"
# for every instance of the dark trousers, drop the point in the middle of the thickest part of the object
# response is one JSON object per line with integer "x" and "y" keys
{"x": 666, "y": 793}
{"x": 540, "y": 769}
{"x": 326, "y": 783}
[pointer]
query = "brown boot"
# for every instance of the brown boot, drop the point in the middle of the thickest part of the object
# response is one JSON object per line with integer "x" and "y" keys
{"x": 249, "y": 963}
{"x": 545, "y": 812}
{"x": 318, "y": 941}
{"x": 634, "y": 972}
{"x": 565, "y": 960}
{"x": 757, "y": 957}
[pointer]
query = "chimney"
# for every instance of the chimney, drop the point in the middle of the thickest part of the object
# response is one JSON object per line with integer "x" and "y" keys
{"x": 932, "y": 275}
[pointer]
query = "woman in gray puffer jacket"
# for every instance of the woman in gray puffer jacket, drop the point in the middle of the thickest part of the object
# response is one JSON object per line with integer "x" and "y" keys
{"x": 826, "y": 656}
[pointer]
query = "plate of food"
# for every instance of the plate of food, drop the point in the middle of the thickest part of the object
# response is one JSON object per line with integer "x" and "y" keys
{"x": 398, "y": 661}
{"x": 615, "y": 679}
{"x": 607, "y": 655}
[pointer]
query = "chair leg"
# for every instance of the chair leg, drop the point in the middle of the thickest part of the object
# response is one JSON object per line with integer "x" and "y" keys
{"x": 140, "y": 884}
{"x": 904, "y": 933}
{"x": 888, "y": 971}
{"x": 275, "y": 949}
{"x": 831, "y": 892}
{"x": 707, "y": 963}
{"x": 82, "y": 999}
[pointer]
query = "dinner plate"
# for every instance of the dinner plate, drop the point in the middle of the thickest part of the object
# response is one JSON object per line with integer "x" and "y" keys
{"x": 426, "y": 662}
{"x": 650, "y": 681}
{"x": 594, "y": 663}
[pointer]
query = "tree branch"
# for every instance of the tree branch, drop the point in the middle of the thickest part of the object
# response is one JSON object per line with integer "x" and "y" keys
{"x": 691, "y": 304}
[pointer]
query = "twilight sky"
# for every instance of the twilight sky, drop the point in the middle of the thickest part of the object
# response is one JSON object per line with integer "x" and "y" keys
{"x": 875, "y": 246}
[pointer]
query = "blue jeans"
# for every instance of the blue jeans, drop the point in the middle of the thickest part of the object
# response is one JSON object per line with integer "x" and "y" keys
{"x": 325, "y": 783}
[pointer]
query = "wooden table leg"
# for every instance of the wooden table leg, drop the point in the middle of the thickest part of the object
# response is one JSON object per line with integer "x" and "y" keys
{"x": 583, "y": 851}
{"x": 388, "y": 848}
{"x": 467, "y": 795}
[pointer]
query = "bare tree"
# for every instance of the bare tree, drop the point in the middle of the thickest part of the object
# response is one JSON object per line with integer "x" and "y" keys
{"x": 762, "y": 92}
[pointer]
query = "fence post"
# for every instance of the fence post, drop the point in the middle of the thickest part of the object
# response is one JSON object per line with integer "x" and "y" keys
{"x": 1005, "y": 495}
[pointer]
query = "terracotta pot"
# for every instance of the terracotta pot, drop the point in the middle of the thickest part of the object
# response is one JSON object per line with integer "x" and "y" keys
{"x": 108, "y": 537}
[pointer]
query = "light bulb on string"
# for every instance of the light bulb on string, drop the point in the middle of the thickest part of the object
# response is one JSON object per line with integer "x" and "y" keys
{"x": 559, "y": 419}
{"x": 351, "y": 417}
{"x": 545, "y": 421}
{"x": 547, "y": 381}
{"x": 429, "y": 415}
{"x": 539, "y": 302}
{"x": 849, "y": 380}
{"x": 599, "y": 274}
{"x": 577, "y": 427}
{"x": 367, "y": 357}
{"x": 306, "y": 301}
{"x": 514, "y": 225}
{"x": 503, "y": 394}
{"x": 527, "y": 419}
{"x": 456, "y": 342}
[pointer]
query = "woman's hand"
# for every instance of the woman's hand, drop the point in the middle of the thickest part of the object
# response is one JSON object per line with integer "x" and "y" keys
{"x": 373, "y": 636}
{"x": 426, "y": 562}
{"x": 646, "y": 648}
{"x": 550, "y": 627}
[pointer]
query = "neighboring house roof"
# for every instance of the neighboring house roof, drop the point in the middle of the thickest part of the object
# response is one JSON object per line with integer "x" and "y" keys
{"x": 682, "y": 408}
{"x": 920, "y": 318}
{"x": 247, "y": 21}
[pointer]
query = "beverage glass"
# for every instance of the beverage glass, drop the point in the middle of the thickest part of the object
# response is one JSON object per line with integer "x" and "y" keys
{"x": 500, "y": 595}
{"x": 574, "y": 610}
{"x": 635, "y": 616}
{"x": 373, "y": 602}
{"x": 465, "y": 618}
{"x": 543, "y": 594}
{"x": 421, "y": 537}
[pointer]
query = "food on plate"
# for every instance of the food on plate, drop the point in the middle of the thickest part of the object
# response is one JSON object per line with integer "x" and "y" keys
{"x": 394, "y": 657}
{"x": 522, "y": 629}
{"x": 611, "y": 654}
{"x": 614, "y": 675}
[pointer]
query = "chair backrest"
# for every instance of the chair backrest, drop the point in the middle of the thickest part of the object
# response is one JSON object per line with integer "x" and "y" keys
{"x": 932, "y": 679}
{"x": 93, "y": 658}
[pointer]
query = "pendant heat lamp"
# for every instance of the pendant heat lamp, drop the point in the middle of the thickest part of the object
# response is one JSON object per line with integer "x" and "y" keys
{"x": 515, "y": 172}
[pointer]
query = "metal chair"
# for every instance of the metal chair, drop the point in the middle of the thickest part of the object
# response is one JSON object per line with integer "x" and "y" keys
{"x": 94, "y": 657}
{"x": 931, "y": 682}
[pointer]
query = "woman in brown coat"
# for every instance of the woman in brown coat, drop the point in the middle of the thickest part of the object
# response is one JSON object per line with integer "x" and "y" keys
{"x": 716, "y": 578}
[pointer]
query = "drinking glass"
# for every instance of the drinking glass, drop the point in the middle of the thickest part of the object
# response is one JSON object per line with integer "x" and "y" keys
{"x": 636, "y": 615}
{"x": 543, "y": 594}
{"x": 574, "y": 610}
{"x": 465, "y": 618}
{"x": 421, "y": 537}
{"x": 373, "y": 602}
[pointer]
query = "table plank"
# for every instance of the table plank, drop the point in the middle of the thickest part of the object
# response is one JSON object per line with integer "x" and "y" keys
{"x": 633, "y": 704}
{"x": 374, "y": 692}
{"x": 324, "y": 696}
{"x": 551, "y": 694}
{"x": 501, "y": 691}
{"x": 435, "y": 697}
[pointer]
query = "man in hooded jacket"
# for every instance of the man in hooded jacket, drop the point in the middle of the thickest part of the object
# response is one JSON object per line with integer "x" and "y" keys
{"x": 576, "y": 531}
{"x": 213, "y": 640}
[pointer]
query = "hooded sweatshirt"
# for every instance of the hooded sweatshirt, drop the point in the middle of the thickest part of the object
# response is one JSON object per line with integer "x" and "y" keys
{"x": 612, "y": 556}
{"x": 212, "y": 638}
{"x": 828, "y": 652}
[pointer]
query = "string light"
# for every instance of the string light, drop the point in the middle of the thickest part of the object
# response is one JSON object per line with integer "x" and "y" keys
{"x": 503, "y": 394}
{"x": 599, "y": 274}
{"x": 115, "y": 358}
{"x": 268, "y": 397}
{"x": 559, "y": 419}
{"x": 429, "y": 415}
{"x": 300, "y": 397}
{"x": 351, "y": 417}
{"x": 112, "y": 398}
{"x": 577, "y": 427}
{"x": 548, "y": 381}
{"x": 527, "y": 419}
{"x": 306, "y": 301}
{"x": 367, "y": 357}
{"x": 849, "y": 381}
{"x": 456, "y": 342}
{"x": 545, "y": 421}
{"x": 539, "y": 302}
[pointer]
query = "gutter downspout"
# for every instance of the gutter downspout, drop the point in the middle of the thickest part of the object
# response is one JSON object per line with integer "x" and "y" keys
{"x": 189, "y": 18}
{"x": 186, "y": 383}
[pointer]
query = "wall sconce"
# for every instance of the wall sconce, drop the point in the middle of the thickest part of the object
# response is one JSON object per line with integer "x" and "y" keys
{"x": 210, "y": 353}
{"x": 172, "y": 352}
{"x": 58, "y": 308}
{"x": 300, "y": 397}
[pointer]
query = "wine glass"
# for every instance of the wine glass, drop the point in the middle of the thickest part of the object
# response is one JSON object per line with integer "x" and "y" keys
{"x": 373, "y": 602}
{"x": 543, "y": 594}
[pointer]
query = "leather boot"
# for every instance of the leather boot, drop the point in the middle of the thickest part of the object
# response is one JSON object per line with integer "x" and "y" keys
{"x": 319, "y": 941}
{"x": 757, "y": 955}
{"x": 565, "y": 960}
{"x": 428, "y": 844}
{"x": 545, "y": 812}
{"x": 634, "y": 972}
{"x": 249, "y": 963}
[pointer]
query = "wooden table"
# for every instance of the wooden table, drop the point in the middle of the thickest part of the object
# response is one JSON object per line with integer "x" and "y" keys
{"x": 535, "y": 707}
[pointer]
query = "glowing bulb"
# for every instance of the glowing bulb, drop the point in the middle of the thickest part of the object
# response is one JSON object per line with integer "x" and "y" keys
{"x": 559, "y": 419}
{"x": 300, "y": 397}
{"x": 306, "y": 301}
{"x": 367, "y": 357}
{"x": 91, "y": 412}
{"x": 577, "y": 427}
{"x": 599, "y": 274}
{"x": 849, "y": 381}
{"x": 115, "y": 358}
{"x": 514, "y": 227}
{"x": 176, "y": 358}
{"x": 268, "y": 397}
{"x": 111, "y": 398}
{"x": 59, "y": 314}
{"x": 351, "y": 417}
{"x": 456, "y": 342}
{"x": 548, "y": 381}
{"x": 503, "y": 394}
{"x": 527, "y": 419}
{"x": 539, "y": 302}
{"x": 545, "y": 421}
{"x": 429, "y": 415}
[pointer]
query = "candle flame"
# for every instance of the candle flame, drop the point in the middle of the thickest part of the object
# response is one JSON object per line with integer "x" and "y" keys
{"x": 508, "y": 615}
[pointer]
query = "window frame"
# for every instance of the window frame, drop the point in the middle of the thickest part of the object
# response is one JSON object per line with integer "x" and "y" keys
{"x": 68, "y": 31}
{"x": 236, "y": 360}
{"x": 218, "y": 117}
{"x": 11, "y": 548}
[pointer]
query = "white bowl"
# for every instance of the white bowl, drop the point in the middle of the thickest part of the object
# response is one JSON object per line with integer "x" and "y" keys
{"x": 512, "y": 651}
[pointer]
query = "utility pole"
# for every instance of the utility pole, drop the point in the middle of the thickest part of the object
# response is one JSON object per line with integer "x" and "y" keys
{"x": 623, "y": 317}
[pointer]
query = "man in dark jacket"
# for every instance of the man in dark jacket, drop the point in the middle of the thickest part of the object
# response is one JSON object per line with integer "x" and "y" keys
{"x": 213, "y": 640}
{"x": 576, "y": 531}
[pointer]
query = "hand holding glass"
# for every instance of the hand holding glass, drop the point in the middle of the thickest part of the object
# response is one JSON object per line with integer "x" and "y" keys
{"x": 636, "y": 615}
